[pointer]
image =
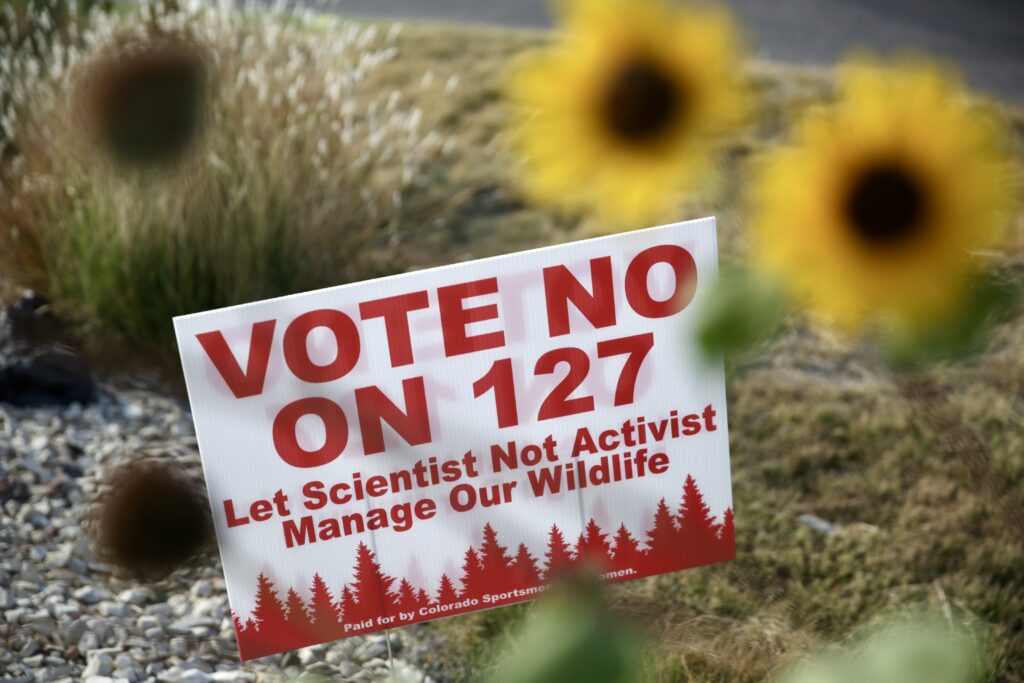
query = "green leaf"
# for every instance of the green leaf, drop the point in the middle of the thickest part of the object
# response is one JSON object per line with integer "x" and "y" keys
{"x": 742, "y": 309}
{"x": 991, "y": 299}
{"x": 570, "y": 639}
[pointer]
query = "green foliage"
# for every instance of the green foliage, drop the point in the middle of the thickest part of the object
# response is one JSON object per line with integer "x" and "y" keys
{"x": 991, "y": 298}
{"x": 741, "y": 310}
{"x": 569, "y": 638}
{"x": 925, "y": 650}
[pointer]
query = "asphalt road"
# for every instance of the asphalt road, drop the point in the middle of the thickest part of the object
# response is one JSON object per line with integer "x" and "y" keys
{"x": 985, "y": 38}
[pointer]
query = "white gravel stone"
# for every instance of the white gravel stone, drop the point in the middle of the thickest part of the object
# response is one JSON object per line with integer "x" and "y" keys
{"x": 90, "y": 595}
{"x": 233, "y": 676}
{"x": 133, "y": 596}
{"x": 100, "y": 664}
{"x": 195, "y": 676}
{"x": 113, "y": 609}
{"x": 202, "y": 589}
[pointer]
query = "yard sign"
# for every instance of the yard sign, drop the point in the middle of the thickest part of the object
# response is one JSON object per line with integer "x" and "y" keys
{"x": 445, "y": 441}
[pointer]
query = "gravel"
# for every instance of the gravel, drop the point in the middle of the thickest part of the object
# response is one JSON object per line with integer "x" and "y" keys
{"x": 66, "y": 616}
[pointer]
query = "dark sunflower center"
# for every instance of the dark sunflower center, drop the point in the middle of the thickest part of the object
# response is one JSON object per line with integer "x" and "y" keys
{"x": 151, "y": 106}
{"x": 642, "y": 102}
{"x": 153, "y": 520}
{"x": 887, "y": 205}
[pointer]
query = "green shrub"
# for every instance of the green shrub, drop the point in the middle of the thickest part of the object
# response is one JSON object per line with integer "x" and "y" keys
{"x": 296, "y": 180}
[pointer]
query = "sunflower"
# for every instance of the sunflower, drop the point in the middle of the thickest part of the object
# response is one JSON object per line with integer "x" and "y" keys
{"x": 623, "y": 111}
{"x": 144, "y": 101}
{"x": 871, "y": 215}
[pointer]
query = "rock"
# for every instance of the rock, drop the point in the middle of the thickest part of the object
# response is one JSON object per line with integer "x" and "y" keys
{"x": 195, "y": 676}
{"x": 90, "y": 595}
{"x": 66, "y": 612}
{"x": 12, "y": 488}
{"x": 373, "y": 648}
{"x": 134, "y": 411}
{"x": 88, "y": 641}
{"x": 375, "y": 664}
{"x": 348, "y": 668}
{"x": 319, "y": 669}
{"x": 816, "y": 523}
{"x": 179, "y": 647}
{"x": 35, "y": 368}
{"x": 53, "y": 375}
{"x": 99, "y": 664}
{"x": 73, "y": 632}
{"x": 148, "y": 621}
{"x": 113, "y": 609}
{"x": 233, "y": 676}
{"x": 201, "y": 589}
{"x": 28, "y": 649}
{"x": 133, "y": 596}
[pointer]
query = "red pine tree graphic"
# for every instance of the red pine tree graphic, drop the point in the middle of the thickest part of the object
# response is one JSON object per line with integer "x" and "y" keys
{"x": 407, "y": 600}
{"x": 558, "y": 558}
{"x": 524, "y": 572}
{"x": 472, "y": 575}
{"x": 698, "y": 532}
{"x": 422, "y": 599}
{"x": 727, "y": 538}
{"x": 323, "y": 611}
{"x": 347, "y": 605}
{"x": 269, "y": 614}
{"x": 494, "y": 559}
{"x": 663, "y": 539}
{"x": 579, "y": 551}
{"x": 446, "y": 594}
{"x": 267, "y": 629}
{"x": 296, "y": 617}
{"x": 593, "y": 548}
{"x": 240, "y": 632}
{"x": 371, "y": 587}
{"x": 626, "y": 553}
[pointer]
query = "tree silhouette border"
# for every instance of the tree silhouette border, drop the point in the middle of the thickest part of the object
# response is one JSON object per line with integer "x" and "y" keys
{"x": 690, "y": 537}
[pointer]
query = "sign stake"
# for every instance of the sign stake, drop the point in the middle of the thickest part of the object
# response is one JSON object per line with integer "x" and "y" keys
{"x": 391, "y": 658}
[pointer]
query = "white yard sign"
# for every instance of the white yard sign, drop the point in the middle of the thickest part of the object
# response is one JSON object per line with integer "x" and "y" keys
{"x": 443, "y": 441}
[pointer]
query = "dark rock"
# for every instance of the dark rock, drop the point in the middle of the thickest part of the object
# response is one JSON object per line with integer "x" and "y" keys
{"x": 29, "y": 321}
{"x": 70, "y": 468}
{"x": 35, "y": 367}
{"x": 12, "y": 488}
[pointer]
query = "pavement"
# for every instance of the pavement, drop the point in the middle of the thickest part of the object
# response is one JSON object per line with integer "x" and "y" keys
{"x": 984, "y": 38}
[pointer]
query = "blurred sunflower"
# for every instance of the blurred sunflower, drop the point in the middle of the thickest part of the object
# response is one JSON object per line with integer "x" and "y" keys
{"x": 622, "y": 112}
{"x": 143, "y": 101}
{"x": 871, "y": 214}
